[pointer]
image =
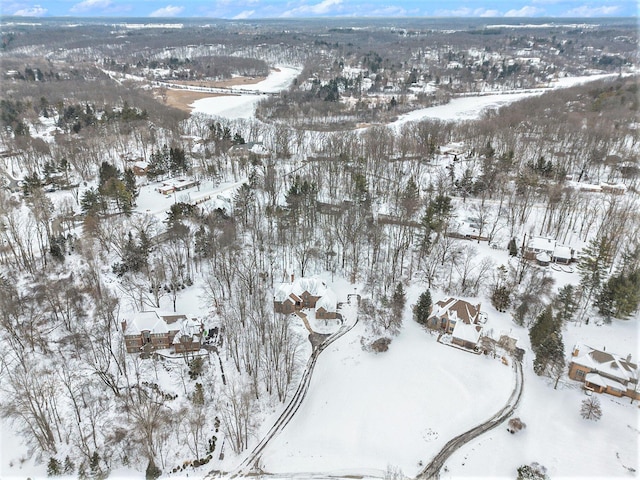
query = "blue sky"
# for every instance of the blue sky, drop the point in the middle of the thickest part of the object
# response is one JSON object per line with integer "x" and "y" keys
{"x": 247, "y": 9}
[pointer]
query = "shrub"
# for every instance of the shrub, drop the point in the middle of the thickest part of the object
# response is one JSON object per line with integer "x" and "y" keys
{"x": 515, "y": 425}
{"x": 381, "y": 345}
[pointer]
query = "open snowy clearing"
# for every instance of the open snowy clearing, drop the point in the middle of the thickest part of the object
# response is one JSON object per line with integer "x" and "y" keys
{"x": 365, "y": 411}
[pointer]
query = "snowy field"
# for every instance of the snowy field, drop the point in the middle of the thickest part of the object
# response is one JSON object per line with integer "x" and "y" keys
{"x": 243, "y": 106}
{"x": 366, "y": 411}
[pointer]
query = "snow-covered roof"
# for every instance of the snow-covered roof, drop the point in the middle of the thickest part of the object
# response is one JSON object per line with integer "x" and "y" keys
{"x": 314, "y": 286}
{"x": 604, "y": 382}
{"x": 144, "y": 321}
{"x": 329, "y": 301}
{"x": 543, "y": 257}
{"x": 607, "y": 363}
{"x": 466, "y": 332}
{"x": 562, "y": 251}
{"x": 541, "y": 244}
{"x": 456, "y": 309}
{"x": 190, "y": 327}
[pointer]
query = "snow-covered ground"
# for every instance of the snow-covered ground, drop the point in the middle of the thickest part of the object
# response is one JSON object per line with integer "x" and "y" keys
{"x": 471, "y": 107}
{"x": 365, "y": 411}
{"x": 243, "y": 106}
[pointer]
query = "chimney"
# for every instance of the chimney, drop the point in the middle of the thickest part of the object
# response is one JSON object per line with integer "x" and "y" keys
{"x": 124, "y": 326}
{"x": 629, "y": 358}
{"x": 292, "y": 277}
{"x": 576, "y": 351}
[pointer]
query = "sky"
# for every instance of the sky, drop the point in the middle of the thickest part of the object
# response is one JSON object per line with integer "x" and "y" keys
{"x": 255, "y": 9}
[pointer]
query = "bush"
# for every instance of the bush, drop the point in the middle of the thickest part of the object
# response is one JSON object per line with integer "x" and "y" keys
{"x": 515, "y": 425}
{"x": 534, "y": 471}
{"x": 153, "y": 472}
{"x": 381, "y": 345}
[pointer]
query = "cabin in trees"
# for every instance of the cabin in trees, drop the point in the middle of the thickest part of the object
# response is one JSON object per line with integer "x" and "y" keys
{"x": 306, "y": 293}
{"x": 604, "y": 372}
{"x": 460, "y": 319}
{"x": 148, "y": 330}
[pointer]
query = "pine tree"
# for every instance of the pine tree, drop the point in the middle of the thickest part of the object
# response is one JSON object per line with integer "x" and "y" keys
{"x": 566, "y": 303}
{"x": 398, "y": 301}
{"x": 593, "y": 265}
{"x": 69, "y": 466}
{"x": 53, "y": 467}
{"x": 422, "y": 310}
{"x": 513, "y": 248}
{"x": 591, "y": 409}
{"x": 547, "y": 344}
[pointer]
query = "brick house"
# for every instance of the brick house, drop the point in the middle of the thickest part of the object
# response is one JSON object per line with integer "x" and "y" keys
{"x": 150, "y": 330}
{"x": 305, "y": 293}
{"x": 604, "y": 372}
{"x": 459, "y": 318}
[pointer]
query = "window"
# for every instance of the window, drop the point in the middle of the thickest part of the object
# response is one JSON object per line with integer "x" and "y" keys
{"x": 146, "y": 337}
{"x": 580, "y": 374}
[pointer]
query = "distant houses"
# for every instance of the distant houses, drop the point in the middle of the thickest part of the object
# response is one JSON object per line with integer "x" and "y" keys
{"x": 460, "y": 319}
{"x": 150, "y": 331}
{"x": 306, "y": 293}
{"x": 604, "y": 372}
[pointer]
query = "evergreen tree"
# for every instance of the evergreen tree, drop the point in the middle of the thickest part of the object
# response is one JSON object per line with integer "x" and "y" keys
{"x": 410, "y": 200}
{"x": 501, "y": 290}
{"x": 513, "y": 248}
{"x": 398, "y": 301}
{"x": 198, "y": 395}
{"x": 53, "y": 467}
{"x": 69, "y": 466}
{"x": 566, "y": 303}
{"x": 619, "y": 296}
{"x": 547, "y": 344}
{"x": 422, "y": 310}
{"x": 593, "y": 265}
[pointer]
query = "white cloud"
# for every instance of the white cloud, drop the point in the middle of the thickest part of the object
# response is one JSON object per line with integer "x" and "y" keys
{"x": 322, "y": 8}
{"x": 168, "y": 11}
{"x": 489, "y": 13}
{"x": 244, "y": 14}
{"x": 389, "y": 12}
{"x": 87, "y": 5}
{"x": 468, "y": 12}
{"x": 587, "y": 11}
{"x": 526, "y": 11}
{"x": 35, "y": 11}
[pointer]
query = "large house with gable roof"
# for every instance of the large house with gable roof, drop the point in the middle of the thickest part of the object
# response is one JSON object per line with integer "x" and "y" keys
{"x": 302, "y": 293}
{"x": 148, "y": 330}
{"x": 604, "y": 372}
{"x": 460, "y": 319}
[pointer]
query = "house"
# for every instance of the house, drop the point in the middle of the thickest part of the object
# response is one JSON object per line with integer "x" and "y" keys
{"x": 148, "y": 330}
{"x": 459, "y": 318}
{"x": 537, "y": 245}
{"x": 604, "y": 372}
{"x": 311, "y": 293}
{"x": 546, "y": 250}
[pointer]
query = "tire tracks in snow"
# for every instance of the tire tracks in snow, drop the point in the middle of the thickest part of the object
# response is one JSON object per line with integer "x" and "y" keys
{"x": 250, "y": 464}
{"x": 432, "y": 470}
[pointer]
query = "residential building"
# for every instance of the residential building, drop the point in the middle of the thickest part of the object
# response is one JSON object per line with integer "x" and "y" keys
{"x": 460, "y": 319}
{"x": 305, "y": 293}
{"x": 604, "y": 372}
{"x": 148, "y": 330}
